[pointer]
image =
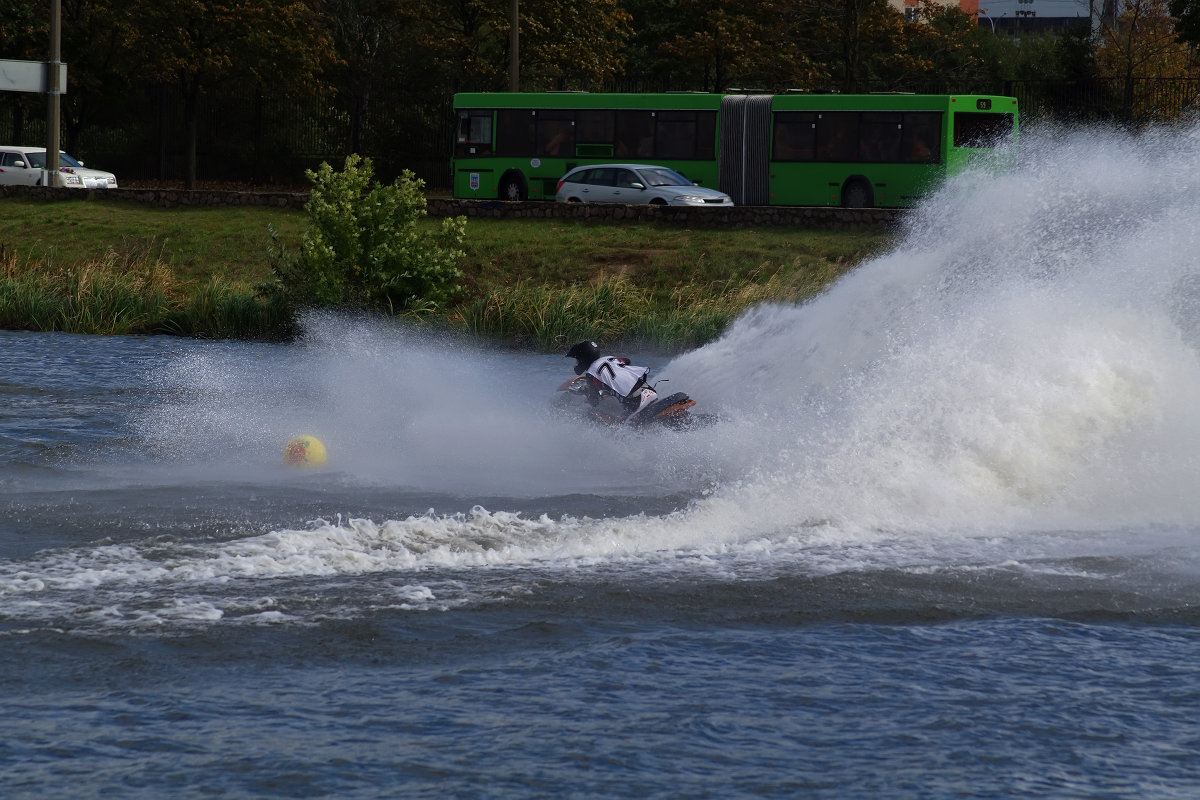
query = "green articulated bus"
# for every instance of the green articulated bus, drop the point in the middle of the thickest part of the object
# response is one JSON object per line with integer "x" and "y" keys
{"x": 856, "y": 151}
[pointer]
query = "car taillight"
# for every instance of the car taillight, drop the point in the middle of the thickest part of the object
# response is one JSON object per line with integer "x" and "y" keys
{"x": 558, "y": 188}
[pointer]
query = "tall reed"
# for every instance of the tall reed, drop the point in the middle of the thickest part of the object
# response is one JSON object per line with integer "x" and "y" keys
{"x": 132, "y": 294}
{"x": 612, "y": 308}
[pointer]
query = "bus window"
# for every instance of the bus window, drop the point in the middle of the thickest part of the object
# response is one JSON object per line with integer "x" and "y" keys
{"x": 635, "y": 134}
{"x": 675, "y": 136}
{"x": 685, "y": 134}
{"x": 795, "y": 136}
{"x": 972, "y": 129}
{"x": 706, "y": 135}
{"x": 837, "y": 136}
{"x": 514, "y": 132}
{"x": 595, "y": 127}
{"x": 556, "y": 133}
{"x": 921, "y": 137}
{"x": 879, "y": 136}
{"x": 474, "y": 133}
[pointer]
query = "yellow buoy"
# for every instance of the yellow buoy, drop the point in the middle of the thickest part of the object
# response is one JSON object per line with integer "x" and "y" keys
{"x": 304, "y": 451}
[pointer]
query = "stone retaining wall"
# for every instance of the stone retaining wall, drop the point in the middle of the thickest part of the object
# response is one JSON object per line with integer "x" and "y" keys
{"x": 599, "y": 213}
{"x": 732, "y": 217}
{"x": 163, "y": 198}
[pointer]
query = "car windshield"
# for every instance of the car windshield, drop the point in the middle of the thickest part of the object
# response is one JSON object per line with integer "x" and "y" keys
{"x": 661, "y": 176}
{"x": 37, "y": 160}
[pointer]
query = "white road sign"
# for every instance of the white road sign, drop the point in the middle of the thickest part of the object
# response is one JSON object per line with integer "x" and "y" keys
{"x": 30, "y": 76}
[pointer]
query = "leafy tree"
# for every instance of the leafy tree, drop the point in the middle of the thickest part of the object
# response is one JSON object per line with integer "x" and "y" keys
{"x": 1143, "y": 44}
{"x": 716, "y": 44}
{"x": 22, "y": 36}
{"x": 365, "y": 246}
{"x": 848, "y": 38}
{"x": 202, "y": 45}
{"x": 575, "y": 44}
{"x": 943, "y": 48}
{"x": 367, "y": 36}
{"x": 93, "y": 34}
{"x": 571, "y": 44}
{"x": 1187, "y": 20}
{"x": 723, "y": 39}
{"x": 23, "y": 30}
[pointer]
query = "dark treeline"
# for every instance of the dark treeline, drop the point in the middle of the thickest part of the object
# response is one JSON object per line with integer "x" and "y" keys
{"x": 256, "y": 91}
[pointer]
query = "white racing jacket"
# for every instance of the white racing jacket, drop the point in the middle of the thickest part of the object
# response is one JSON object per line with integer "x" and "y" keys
{"x": 617, "y": 374}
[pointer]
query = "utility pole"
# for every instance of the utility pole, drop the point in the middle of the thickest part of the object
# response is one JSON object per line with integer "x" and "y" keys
{"x": 514, "y": 47}
{"x": 54, "y": 94}
{"x": 43, "y": 77}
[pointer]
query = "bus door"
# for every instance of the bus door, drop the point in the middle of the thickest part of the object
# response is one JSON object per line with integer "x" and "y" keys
{"x": 744, "y": 148}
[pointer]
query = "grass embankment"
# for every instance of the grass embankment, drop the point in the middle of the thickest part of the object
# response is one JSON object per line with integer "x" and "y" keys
{"x": 92, "y": 267}
{"x": 111, "y": 267}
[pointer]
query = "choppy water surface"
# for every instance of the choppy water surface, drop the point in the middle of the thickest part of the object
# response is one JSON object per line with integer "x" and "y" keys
{"x": 942, "y": 543}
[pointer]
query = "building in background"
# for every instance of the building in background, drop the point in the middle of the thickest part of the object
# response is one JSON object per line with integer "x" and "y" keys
{"x": 1014, "y": 17}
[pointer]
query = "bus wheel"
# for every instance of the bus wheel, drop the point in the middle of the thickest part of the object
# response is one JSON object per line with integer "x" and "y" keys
{"x": 857, "y": 194}
{"x": 512, "y": 188}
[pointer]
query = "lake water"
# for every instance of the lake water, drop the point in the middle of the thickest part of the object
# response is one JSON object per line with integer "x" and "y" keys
{"x": 943, "y": 543}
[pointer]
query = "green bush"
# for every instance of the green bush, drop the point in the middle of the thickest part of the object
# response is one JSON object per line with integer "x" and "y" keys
{"x": 364, "y": 248}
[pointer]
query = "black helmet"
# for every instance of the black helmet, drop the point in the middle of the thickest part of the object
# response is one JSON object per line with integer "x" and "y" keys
{"x": 584, "y": 354}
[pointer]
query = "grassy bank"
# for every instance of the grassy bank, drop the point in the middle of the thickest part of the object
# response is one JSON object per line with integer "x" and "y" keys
{"x": 110, "y": 267}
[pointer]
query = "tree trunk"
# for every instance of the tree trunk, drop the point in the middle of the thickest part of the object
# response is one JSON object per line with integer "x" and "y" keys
{"x": 852, "y": 44}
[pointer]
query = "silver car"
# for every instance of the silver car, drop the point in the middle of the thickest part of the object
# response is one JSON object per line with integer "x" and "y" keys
{"x": 635, "y": 183}
{"x": 27, "y": 165}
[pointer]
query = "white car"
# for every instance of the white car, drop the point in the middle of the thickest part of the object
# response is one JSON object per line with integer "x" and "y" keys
{"x": 635, "y": 183}
{"x": 27, "y": 166}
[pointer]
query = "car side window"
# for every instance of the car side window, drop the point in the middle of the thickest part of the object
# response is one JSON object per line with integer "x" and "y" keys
{"x": 602, "y": 177}
{"x": 626, "y": 178}
{"x": 9, "y": 159}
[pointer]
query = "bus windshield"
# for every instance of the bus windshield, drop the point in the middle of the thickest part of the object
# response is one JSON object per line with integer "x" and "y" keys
{"x": 974, "y": 129}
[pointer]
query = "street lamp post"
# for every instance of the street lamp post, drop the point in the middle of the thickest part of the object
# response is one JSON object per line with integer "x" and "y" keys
{"x": 988, "y": 17}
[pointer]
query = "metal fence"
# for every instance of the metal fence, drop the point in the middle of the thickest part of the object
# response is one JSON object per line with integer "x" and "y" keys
{"x": 257, "y": 138}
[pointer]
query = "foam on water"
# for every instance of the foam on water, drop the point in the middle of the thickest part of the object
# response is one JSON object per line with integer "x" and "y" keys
{"x": 1025, "y": 356}
{"x": 394, "y": 407}
{"x": 1023, "y": 362}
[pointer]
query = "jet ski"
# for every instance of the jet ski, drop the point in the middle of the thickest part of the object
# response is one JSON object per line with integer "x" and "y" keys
{"x": 603, "y": 407}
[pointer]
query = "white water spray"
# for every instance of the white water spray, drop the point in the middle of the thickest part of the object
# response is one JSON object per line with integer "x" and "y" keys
{"x": 1026, "y": 356}
{"x": 1025, "y": 359}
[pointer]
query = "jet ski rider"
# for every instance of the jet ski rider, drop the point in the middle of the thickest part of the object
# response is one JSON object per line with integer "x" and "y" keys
{"x": 616, "y": 375}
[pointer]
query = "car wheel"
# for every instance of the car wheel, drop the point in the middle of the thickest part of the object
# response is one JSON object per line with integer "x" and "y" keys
{"x": 658, "y": 201}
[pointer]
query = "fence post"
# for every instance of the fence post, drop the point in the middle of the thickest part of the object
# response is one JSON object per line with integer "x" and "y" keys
{"x": 256, "y": 178}
{"x": 162, "y": 132}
